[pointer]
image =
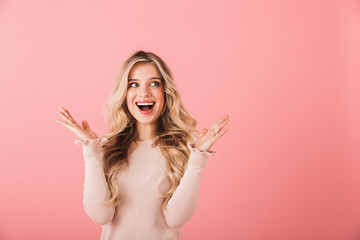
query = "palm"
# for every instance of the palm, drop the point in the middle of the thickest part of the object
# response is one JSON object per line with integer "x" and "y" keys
{"x": 82, "y": 132}
{"x": 209, "y": 136}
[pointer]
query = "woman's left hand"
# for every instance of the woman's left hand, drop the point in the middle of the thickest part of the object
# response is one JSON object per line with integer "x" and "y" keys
{"x": 208, "y": 137}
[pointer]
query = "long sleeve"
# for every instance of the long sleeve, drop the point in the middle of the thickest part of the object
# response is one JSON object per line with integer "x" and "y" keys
{"x": 183, "y": 203}
{"x": 95, "y": 187}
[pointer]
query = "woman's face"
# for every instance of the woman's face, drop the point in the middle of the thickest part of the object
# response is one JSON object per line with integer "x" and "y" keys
{"x": 145, "y": 93}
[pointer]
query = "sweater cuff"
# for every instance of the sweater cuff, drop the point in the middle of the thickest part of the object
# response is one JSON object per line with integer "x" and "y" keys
{"x": 194, "y": 149}
{"x": 91, "y": 146}
{"x": 198, "y": 159}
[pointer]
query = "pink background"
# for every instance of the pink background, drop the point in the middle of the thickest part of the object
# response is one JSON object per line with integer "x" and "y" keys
{"x": 287, "y": 71}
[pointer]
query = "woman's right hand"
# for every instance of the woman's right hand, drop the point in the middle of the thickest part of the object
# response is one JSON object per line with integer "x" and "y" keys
{"x": 82, "y": 132}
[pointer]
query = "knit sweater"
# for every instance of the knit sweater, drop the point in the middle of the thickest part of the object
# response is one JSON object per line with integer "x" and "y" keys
{"x": 140, "y": 216}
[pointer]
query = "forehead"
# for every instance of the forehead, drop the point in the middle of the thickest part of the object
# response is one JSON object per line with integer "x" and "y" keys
{"x": 143, "y": 71}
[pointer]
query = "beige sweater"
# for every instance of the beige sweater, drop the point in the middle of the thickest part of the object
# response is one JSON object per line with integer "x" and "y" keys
{"x": 140, "y": 216}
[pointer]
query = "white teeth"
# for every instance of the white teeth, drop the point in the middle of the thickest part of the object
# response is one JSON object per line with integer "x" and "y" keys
{"x": 145, "y": 104}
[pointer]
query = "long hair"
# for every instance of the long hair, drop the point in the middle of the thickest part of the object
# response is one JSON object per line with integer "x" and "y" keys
{"x": 174, "y": 129}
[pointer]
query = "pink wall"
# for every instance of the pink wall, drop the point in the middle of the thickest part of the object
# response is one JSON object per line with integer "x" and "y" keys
{"x": 287, "y": 71}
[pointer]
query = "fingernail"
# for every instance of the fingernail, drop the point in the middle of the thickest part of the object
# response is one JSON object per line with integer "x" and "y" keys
{"x": 229, "y": 114}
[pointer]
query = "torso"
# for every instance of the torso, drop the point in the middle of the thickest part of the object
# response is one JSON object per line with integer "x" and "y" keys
{"x": 140, "y": 215}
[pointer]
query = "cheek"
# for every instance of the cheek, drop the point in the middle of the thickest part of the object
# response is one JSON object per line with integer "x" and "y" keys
{"x": 161, "y": 94}
{"x": 160, "y": 97}
{"x": 129, "y": 96}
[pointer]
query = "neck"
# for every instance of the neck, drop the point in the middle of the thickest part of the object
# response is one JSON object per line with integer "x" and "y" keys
{"x": 145, "y": 131}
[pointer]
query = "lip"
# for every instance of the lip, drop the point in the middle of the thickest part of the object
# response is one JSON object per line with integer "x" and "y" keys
{"x": 145, "y": 101}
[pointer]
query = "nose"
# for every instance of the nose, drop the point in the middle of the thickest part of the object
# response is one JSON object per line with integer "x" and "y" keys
{"x": 144, "y": 91}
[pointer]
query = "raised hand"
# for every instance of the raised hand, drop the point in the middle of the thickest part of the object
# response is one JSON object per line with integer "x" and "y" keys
{"x": 208, "y": 137}
{"x": 82, "y": 132}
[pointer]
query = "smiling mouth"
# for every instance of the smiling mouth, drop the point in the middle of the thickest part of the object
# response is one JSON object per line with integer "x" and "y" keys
{"x": 145, "y": 106}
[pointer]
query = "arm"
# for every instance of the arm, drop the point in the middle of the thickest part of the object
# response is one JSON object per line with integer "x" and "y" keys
{"x": 95, "y": 186}
{"x": 183, "y": 203}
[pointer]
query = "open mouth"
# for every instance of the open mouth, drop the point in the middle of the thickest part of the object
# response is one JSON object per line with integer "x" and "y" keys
{"x": 145, "y": 106}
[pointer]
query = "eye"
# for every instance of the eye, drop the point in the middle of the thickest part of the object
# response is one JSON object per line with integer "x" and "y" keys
{"x": 133, "y": 84}
{"x": 157, "y": 84}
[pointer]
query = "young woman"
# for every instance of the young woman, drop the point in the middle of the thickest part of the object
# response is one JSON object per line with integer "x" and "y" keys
{"x": 142, "y": 178}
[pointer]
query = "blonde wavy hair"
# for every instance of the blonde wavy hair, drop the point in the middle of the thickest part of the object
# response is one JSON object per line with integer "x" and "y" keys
{"x": 175, "y": 128}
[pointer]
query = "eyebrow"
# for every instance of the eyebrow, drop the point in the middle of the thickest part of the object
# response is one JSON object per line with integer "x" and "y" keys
{"x": 133, "y": 79}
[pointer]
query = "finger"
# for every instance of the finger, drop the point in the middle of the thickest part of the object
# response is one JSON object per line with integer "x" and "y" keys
{"x": 67, "y": 113}
{"x": 64, "y": 117}
{"x": 203, "y": 132}
{"x": 63, "y": 112}
{"x": 222, "y": 132}
{"x": 221, "y": 125}
{"x": 85, "y": 125}
{"x": 220, "y": 120}
{"x": 217, "y": 127}
{"x": 64, "y": 124}
{"x": 67, "y": 120}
